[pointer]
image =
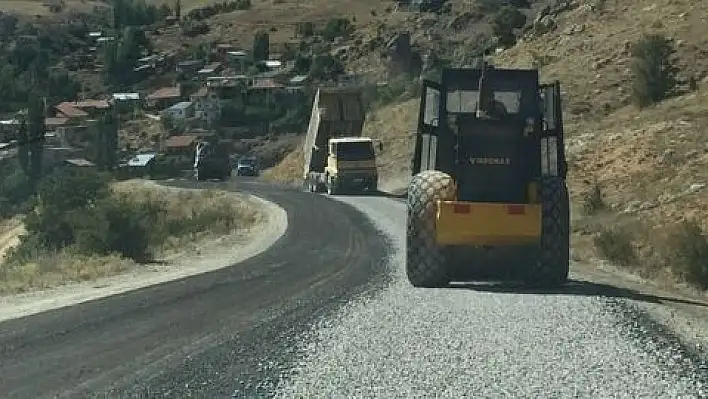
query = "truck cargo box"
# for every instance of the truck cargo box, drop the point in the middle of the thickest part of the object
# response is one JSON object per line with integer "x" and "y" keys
{"x": 336, "y": 112}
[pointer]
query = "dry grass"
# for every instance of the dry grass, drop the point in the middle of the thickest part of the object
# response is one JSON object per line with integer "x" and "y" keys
{"x": 225, "y": 214}
{"x": 213, "y": 212}
{"x": 141, "y": 133}
{"x": 37, "y": 7}
{"x": 279, "y": 18}
{"x": 288, "y": 171}
{"x": 395, "y": 126}
{"x": 10, "y": 231}
{"x": 50, "y": 270}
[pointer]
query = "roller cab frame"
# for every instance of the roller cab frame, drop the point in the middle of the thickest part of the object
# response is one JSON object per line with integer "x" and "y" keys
{"x": 498, "y": 157}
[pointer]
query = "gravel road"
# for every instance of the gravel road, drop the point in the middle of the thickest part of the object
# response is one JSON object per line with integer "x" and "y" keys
{"x": 487, "y": 341}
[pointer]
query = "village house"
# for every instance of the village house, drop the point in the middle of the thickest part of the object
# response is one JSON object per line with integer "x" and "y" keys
{"x": 8, "y": 130}
{"x": 140, "y": 164}
{"x": 229, "y": 87}
{"x": 210, "y": 70}
{"x": 266, "y": 84}
{"x": 125, "y": 98}
{"x": 180, "y": 148}
{"x": 222, "y": 50}
{"x": 297, "y": 83}
{"x": 207, "y": 105}
{"x": 237, "y": 60}
{"x": 181, "y": 111}
{"x": 78, "y": 163}
{"x": 164, "y": 97}
{"x": 188, "y": 68}
{"x": 126, "y": 101}
{"x": 81, "y": 111}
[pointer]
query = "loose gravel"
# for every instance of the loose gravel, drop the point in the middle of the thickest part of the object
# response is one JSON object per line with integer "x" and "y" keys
{"x": 406, "y": 343}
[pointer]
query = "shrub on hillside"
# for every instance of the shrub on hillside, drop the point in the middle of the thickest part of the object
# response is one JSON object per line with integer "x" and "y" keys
{"x": 193, "y": 28}
{"x": 14, "y": 191}
{"x": 686, "y": 253}
{"x": 654, "y": 69}
{"x": 615, "y": 245}
{"x": 202, "y": 13}
{"x": 75, "y": 209}
{"x": 337, "y": 27}
{"x": 505, "y": 23}
{"x": 592, "y": 200}
{"x": 399, "y": 89}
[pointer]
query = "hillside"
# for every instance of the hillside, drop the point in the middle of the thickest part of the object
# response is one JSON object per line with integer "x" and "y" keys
{"x": 641, "y": 171}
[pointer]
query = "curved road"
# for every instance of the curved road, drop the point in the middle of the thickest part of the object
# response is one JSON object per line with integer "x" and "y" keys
{"x": 211, "y": 334}
{"x": 290, "y": 323}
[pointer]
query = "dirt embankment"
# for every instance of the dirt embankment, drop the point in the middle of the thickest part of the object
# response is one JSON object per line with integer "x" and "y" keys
{"x": 65, "y": 278}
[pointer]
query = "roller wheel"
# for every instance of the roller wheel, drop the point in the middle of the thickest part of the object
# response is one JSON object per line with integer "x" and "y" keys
{"x": 552, "y": 264}
{"x": 425, "y": 260}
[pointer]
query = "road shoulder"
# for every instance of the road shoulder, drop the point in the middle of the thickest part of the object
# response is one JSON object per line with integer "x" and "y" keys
{"x": 213, "y": 255}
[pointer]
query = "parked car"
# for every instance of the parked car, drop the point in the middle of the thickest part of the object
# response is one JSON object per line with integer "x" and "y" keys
{"x": 247, "y": 166}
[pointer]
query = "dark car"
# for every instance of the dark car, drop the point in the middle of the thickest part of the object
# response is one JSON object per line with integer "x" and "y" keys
{"x": 247, "y": 166}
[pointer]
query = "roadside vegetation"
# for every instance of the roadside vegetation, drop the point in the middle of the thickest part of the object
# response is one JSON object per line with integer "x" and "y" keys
{"x": 81, "y": 227}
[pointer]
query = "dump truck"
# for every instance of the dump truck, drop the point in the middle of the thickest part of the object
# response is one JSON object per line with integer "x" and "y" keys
{"x": 211, "y": 160}
{"x": 337, "y": 158}
{"x": 488, "y": 192}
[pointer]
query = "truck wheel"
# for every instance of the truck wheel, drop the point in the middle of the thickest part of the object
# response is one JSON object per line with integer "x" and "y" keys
{"x": 552, "y": 263}
{"x": 425, "y": 261}
{"x": 332, "y": 188}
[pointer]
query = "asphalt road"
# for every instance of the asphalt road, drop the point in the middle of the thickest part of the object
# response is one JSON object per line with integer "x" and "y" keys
{"x": 213, "y": 335}
{"x": 292, "y": 323}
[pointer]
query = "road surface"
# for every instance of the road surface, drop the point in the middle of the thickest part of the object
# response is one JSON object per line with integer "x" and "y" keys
{"x": 327, "y": 312}
{"x": 211, "y": 334}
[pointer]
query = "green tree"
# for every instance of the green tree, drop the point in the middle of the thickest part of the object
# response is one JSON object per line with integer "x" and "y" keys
{"x": 337, "y": 27}
{"x": 106, "y": 145}
{"x": 261, "y": 46}
{"x": 178, "y": 10}
{"x": 654, "y": 69}
{"x": 36, "y": 131}
{"x": 326, "y": 67}
{"x": 23, "y": 147}
{"x": 506, "y": 20}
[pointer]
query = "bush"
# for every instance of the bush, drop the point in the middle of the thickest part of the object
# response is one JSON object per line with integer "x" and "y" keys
{"x": 686, "y": 253}
{"x": 654, "y": 70}
{"x": 75, "y": 208}
{"x": 616, "y": 246}
{"x": 202, "y": 13}
{"x": 192, "y": 28}
{"x": 505, "y": 22}
{"x": 399, "y": 89}
{"x": 14, "y": 191}
{"x": 337, "y": 27}
{"x": 326, "y": 67}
